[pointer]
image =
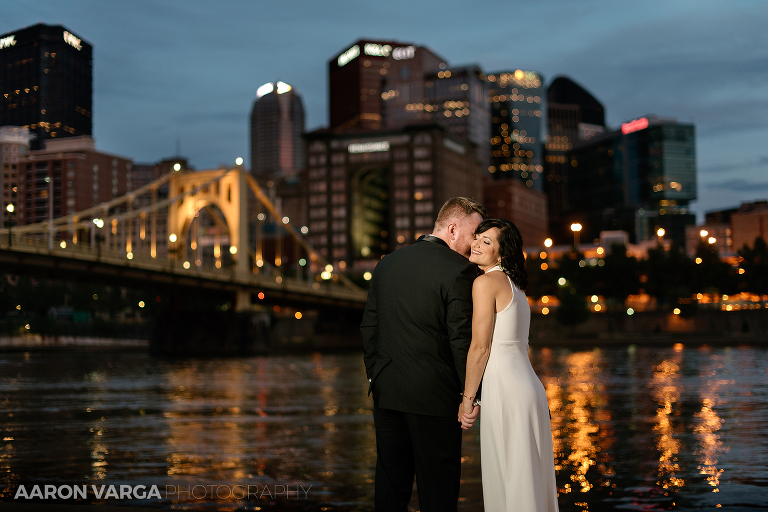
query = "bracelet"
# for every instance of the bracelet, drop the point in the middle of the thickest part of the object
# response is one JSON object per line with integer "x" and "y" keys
{"x": 471, "y": 397}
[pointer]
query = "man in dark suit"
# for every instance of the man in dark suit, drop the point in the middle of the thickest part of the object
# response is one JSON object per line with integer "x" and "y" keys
{"x": 416, "y": 331}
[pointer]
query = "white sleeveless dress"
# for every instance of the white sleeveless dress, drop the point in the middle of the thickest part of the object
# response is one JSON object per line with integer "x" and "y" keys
{"x": 517, "y": 459}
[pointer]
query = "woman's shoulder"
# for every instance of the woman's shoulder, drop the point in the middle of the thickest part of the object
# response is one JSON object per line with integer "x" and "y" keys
{"x": 490, "y": 281}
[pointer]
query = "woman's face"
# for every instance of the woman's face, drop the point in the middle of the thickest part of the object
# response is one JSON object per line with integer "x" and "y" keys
{"x": 485, "y": 249}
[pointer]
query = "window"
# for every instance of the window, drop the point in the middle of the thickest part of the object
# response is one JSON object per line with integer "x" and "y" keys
{"x": 423, "y": 221}
{"x": 422, "y": 152}
{"x": 318, "y": 186}
{"x": 317, "y": 199}
{"x": 422, "y": 207}
{"x": 422, "y": 180}
{"x": 317, "y": 173}
{"x": 318, "y": 213}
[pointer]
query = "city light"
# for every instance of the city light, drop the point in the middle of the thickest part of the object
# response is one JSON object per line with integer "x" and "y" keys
{"x": 239, "y": 161}
{"x": 594, "y": 298}
{"x": 630, "y": 311}
{"x": 233, "y": 250}
{"x": 576, "y": 228}
{"x": 635, "y": 125}
{"x": 283, "y": 87}
{"x": 141, "y": 303}
{"x": 600, "y": 251}
{"x": 545, "y": 311}
{"x": 329, "y": 268}
{"x": 325, "y": 275}
{"x": 676, "y": 311}
{"x": 562, "y": 281}
{"x": 265, "y": 89}
{"x": 172, "y": 238}
{"x": 548, "y": 242}
{"x": 660, "y": 232}
{"x": 286, "y": 220}
{"x": 298, "y": 315}
{"x": 63, "y": 244}
{"x": 367, "y": 276}
{"x": 703, "y": 233}
{"x": 186, "y": 265}
{"x": 261, "y": 295}
{"x": 545, "y": 299}
{"x": 9, "y": 208}
{"x": 302, "y": 262}
{"x": 712, "y": 240}
{"x": 129, "y": 255}
{"x": 261, "y": 216}
{"x": 177, "y": 167}
{"x": 304, "y": 230}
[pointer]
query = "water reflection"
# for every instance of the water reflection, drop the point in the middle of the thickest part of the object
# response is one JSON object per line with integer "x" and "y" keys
{"x": 667, "y": 394}
{"x": 709, "y": 423}
{"x": 634, "y": 428}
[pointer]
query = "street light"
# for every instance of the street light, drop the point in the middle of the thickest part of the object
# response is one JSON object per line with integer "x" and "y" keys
{"x": 10, "y": 208}
{"x": 576, "y": 228}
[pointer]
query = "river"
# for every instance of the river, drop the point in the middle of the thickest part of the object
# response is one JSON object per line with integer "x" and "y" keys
{"x": 681, "y": 427}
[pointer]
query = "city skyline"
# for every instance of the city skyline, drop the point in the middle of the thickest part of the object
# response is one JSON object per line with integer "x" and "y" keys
{"x": 188, "y": 72}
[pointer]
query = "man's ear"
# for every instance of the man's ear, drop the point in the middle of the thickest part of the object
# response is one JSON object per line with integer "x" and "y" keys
{"x": 452, "y": 230}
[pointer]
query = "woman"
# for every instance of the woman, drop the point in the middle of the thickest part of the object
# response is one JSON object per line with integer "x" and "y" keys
{"x": 515, "y": 434}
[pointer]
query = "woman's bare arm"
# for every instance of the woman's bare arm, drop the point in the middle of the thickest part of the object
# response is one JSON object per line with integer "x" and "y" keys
{"x": 483, "y": 316}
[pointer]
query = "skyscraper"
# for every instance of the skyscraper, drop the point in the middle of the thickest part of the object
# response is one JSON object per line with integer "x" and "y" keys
{"x": 636, "y": 179}
{"x": 458, "y": 101}
{"x": 517, "y": 99}
{"x": 573, "y": 115}
{"x": 277, "y": 122}
{"x": 46, "y": 82}
{"x": 372, "y": 82}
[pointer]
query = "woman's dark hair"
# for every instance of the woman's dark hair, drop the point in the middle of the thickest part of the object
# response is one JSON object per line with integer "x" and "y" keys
{"x": 510, "y": 249}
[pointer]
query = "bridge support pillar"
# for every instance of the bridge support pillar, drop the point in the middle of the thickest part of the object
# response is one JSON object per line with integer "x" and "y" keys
{"x": 242, "y": 301}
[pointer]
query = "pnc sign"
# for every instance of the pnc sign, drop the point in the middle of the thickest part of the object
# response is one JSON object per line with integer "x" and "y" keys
{"x": 73, "y": 41}
{"x": 7, "y": 42}
{"x": 376, "y": 50}
{"x": 635, "y": 125}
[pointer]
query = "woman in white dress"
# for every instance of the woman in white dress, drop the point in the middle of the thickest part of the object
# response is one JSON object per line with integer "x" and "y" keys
{"x": 517, "y": 459}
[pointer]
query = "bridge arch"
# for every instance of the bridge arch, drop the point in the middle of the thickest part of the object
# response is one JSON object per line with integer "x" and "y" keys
{"x": 224, "y": 189}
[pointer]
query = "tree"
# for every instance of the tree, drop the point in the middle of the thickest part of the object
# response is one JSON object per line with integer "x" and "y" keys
{"x": 619, "y": 277}
{"x": 710, "y": 273}
{"x": 668, "y": 275}
{"x": 754, "y": 262}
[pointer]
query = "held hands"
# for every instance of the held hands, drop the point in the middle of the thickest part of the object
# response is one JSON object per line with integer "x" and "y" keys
{"x": 468, "y": 413}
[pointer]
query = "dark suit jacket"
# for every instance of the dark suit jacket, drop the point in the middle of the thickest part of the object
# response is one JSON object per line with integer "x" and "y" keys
{"x": 417, "y": 327}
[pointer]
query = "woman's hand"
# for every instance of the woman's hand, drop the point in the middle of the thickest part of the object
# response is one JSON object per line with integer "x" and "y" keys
{"x": 468, "y": 413}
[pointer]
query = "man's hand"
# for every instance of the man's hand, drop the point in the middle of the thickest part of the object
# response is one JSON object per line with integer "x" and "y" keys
{"x": 468, "y": 414}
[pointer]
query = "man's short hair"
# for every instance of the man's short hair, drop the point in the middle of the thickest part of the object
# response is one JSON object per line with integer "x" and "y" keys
{"x": 455, "y": 208}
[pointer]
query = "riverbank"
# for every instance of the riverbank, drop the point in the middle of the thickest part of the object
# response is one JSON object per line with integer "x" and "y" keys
{"x": 38, "y": 342}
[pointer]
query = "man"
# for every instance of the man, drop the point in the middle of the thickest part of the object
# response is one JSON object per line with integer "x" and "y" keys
{"x": 416, "y": 331}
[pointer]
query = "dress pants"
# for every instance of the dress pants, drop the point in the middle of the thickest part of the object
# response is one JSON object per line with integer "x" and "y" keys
{"x": 427, "y": 446}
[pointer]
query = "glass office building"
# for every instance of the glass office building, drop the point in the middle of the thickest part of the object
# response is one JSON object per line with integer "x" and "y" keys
{"x": 46, "y": 83}
{"x": 637, "y": 179}
{"x": 517, "y": 116}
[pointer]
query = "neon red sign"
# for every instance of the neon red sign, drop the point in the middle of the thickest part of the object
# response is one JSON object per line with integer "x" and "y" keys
{"x": 633, "y": 126}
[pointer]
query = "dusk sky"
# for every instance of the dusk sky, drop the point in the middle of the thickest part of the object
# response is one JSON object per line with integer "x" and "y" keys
{"x": 188, "y": 70}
